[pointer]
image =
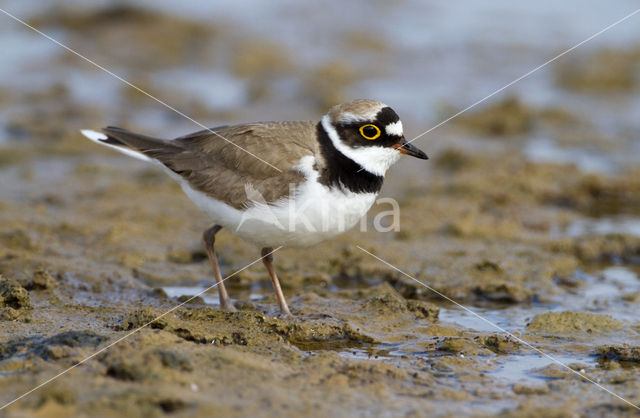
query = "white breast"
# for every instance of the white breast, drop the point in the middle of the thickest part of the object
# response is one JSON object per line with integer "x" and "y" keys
{"x": 314, "y": 213}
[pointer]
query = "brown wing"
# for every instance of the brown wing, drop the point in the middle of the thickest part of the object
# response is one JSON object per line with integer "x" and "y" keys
{"x": 222, "y": 167}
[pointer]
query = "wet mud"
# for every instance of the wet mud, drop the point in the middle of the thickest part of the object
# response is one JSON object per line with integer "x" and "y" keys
{"x": 97, "y": 249}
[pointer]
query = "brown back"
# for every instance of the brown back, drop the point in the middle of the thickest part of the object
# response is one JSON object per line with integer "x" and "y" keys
{"x": 221, "y": 169}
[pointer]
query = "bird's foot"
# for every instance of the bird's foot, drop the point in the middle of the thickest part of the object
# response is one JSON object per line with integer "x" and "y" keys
{"x": 285, "y": 315}
{"x": 226, "y": 305}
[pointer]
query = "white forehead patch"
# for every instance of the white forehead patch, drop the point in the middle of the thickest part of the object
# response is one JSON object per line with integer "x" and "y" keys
{"x": 394, "y": 128}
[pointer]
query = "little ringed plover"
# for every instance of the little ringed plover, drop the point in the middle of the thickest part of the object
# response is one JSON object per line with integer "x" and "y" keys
{"x": 330, "y": 174}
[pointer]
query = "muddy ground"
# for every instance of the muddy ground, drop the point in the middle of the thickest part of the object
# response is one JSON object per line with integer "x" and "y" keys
{"x": 95, "y": 246}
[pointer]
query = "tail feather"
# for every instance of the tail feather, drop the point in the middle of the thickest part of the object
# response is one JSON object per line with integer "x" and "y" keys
{"x": 111, "y": 142}
{"x": 135, "y": 145}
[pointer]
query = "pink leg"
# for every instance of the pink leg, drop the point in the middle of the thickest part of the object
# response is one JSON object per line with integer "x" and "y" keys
{"x": 267, "y": 259}
{"x": 209, "y": 239}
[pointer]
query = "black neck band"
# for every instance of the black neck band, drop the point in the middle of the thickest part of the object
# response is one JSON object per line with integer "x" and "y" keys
{"x": 341, "y": 171}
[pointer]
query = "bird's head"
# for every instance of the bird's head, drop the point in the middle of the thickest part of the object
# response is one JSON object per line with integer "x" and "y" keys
{"x": 369, "y": 133}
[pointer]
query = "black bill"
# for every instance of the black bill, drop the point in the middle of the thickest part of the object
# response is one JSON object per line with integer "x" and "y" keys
{"x": 406, "y": 148}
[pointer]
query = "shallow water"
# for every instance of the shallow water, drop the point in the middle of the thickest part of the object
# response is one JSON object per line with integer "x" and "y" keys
{"x": 519, "y": 369}
{"x": 623, "y": 224}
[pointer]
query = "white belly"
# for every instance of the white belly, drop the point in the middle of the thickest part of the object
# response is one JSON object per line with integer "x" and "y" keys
{"x": 315, "y": 213}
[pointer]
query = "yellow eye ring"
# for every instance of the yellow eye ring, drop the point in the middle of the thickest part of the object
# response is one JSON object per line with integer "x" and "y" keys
{"x": 370, "y": 137}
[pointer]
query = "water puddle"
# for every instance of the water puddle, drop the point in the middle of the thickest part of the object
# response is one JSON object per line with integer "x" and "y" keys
{"x": 359, "y": 353}
{"x": 178, "y": 291}
{"x": 350, "y": 349}
{"x": 210, "y": 297}
{"x": 512, "y": 319}
{"x": 602, "y": 226}
{"x": 545, "y": 150}
{"x": 527, "y": 368}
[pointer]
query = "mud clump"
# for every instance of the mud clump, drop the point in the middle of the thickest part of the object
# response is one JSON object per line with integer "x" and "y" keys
{"x": 521, "y": 389}
{"x": 327, "y": 83}
{"x": 502, "y": 291}
{"x": 423, "y": 309}
{"x": 261, "y": 63}
{"x": 139, "y": 28}
{"x": 169, "y": 405}
{"x": 205, "y": 325}
{"x": 13, "y": 295}
{"x": 9, "y": 314}
{"x": 452, "y": 160}
{"x": 605, "y": 70}
{"x": 506, "y": 118}
{"x": 461, "y": 346}
{"x": 389, "y": 302}
{"x": 312, "y": 334}
{"x": 598, "y": 196}
{"x": 186, "y": 256}
{"x": 128, "y": 371}
{"x": 620, "y": 353}
{"x": 76, "y": 339}
{"x": 59, "y": 346}
{"x": 149, "y": 356}
{"x": 41, "y": 280}
{"x": 563, "y": 323}
{"x": 607, "y": 248}
{"x": 551, "y": 371}
{"x": 17, "y": 239}
{"x": 260, "y": 59}
{"x": 58, "y": 395}
{"x": 498, "y": 344}
{"x": 191, "y": 300}
{"x": 141, "y": 317}
{"x": 174, "y": 360}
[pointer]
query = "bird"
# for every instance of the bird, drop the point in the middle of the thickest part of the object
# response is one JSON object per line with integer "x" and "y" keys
{"x": 278, "y": 184}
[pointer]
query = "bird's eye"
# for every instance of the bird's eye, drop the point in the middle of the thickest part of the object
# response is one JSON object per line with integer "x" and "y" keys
{"x": 370, "y": 132}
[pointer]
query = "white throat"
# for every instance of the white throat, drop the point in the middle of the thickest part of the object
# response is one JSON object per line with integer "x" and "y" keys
{"x": 375, "y": 160}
